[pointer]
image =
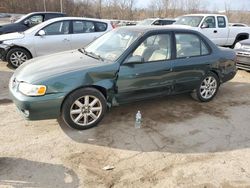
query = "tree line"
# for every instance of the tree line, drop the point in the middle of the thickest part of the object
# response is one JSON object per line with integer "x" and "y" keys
{"x": 119, "y": 9}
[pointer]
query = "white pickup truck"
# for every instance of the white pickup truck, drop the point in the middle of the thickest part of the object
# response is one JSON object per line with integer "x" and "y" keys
{"x": 215, "y": 27}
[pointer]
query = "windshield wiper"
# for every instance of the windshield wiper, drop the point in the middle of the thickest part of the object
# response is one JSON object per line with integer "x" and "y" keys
{"x": 94, "y": 55}
{"x": 90, "y": 54}
{"x": 82, "y": 50}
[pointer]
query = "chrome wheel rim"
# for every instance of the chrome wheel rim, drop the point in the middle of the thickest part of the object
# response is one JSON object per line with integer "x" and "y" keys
{"x": 17, "y": 58}
{"x": 208, "y": 87}
{"x": 86, "y": 110}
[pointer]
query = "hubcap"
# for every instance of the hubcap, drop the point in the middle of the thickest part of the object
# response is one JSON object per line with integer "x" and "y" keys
{"x": 86, "y": 110}
{"x": 208, "y": 87}
{"x": 17, "y": 58}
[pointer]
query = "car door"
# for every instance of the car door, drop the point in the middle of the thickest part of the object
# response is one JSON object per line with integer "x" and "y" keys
{"x": 147, "y": 71}
{"x": 223, "y": 31}
{"x": 192, "y": 61}
{"x": 84, "y": 32}
{"x": 208, "y": 28}
{"x": 56, "y": 38}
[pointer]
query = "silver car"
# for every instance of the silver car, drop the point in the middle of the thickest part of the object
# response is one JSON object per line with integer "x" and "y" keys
{"x": 55, "y": 35}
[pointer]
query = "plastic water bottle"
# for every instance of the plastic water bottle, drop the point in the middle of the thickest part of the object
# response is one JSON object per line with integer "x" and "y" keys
{"x": 138, "y": 120}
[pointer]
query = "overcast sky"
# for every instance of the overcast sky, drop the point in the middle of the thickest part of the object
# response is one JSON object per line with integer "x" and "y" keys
{"x": 211, "y": 4}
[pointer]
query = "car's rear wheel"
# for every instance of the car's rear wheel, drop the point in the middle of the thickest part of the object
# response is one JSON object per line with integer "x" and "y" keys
{"x": 17, "y": 56}
{"x": 84, "y": 108}
{"x": 207, "y": 89}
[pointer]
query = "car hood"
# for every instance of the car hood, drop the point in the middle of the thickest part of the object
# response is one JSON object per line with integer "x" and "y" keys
{"x": 45, "y": 67}
{"x": 11, "y": 36}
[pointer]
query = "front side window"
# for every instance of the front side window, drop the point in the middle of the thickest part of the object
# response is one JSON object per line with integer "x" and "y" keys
{"x": 221, "y": 22}
{"x": 80, "y": 26}
{"x": 189, "y": 45}
{"x": 58, "y": 28}
{"x": 36, "y": 19}
{"x": 155, "y": 48}
{"x": 210, "y": 22}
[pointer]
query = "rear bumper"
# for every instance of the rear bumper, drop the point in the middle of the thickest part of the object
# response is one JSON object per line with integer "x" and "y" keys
{"x": 243, "y": 60}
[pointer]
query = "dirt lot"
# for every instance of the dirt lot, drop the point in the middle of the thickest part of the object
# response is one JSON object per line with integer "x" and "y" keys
{"x": 182, "y": 143}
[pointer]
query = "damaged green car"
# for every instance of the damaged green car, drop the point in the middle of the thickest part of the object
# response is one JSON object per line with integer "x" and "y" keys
{"x": 124, "y": 65}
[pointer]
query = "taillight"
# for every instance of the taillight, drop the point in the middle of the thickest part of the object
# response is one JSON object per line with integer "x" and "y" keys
{"x": 113, "y": 25}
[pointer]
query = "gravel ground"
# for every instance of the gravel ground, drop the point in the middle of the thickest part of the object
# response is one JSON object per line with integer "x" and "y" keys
{"x": 182, "y": 143}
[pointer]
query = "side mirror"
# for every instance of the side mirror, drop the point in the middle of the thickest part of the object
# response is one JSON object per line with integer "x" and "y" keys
{"x": 134, "y": 59}
{"x": 27, "y": 22}
{"x": 204, "y": 25}
{"x": 41, "y": 33}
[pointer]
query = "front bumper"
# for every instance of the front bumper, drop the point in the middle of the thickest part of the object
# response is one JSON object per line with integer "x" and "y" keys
{"x": 3, "y": 51}
{"x": 243, "y": 60}
{"x": 37, "y": 108}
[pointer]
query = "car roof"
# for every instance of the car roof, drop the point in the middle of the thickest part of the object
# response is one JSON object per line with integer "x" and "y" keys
{"x": 145, "y": 29}
{"x": 203, "y": 15}
{"x": 76, "y": 18}
{"x": 46, "y": 13}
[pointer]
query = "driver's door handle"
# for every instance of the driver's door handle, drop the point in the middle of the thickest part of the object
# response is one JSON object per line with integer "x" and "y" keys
{"x": 215, "y": 31}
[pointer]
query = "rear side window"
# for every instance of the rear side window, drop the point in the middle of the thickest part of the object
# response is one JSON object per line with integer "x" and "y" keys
{"x": 189, "y": 45}
{"x": 221, "y": 22}
{"x": 100, "y": 26}
{"x": 58, "y": 28}
{"x": 82, "y": 26}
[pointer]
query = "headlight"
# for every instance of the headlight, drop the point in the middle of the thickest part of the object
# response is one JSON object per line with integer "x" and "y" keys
{"x": 31, "y": 90}
{"x": 237, "y": 46}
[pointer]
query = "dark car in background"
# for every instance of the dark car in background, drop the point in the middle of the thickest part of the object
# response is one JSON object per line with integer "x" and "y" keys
{"x": 242, "y": 49}
{"x": 124, "y": 65}
{"x": 28, "y": 21}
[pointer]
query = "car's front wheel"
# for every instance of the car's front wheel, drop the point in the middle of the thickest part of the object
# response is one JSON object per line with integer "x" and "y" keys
{"x": 84, "y": 108}
{"x": 207, "y": 89}
{"x": 17, "y": 56}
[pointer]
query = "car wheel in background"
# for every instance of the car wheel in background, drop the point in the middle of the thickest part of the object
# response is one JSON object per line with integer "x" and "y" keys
{"x": 17, "y": 56}
{"x": 84, "y": 108}
{"x": 207, "y": 89}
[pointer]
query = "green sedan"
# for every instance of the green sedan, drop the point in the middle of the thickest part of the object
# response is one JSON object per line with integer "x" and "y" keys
{"x": 124, "y": 65}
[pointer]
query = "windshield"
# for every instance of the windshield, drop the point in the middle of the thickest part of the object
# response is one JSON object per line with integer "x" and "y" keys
{"x": 192, "y": 21}
{"x": 146, "y": 22}
{"x": 111, "y": 45}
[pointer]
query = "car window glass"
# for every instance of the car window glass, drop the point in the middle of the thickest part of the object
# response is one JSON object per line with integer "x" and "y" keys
{"x": 221, "y": 21}
{"x": 210, "y": 21}
{"x": 188, "y": 45}
{"x": 100, "y": 26}
{"x": 155, "y": 48}
{"x": 58, "y": 28}
{"x": 36, "y": 19}
{"x": 83, "y": 27}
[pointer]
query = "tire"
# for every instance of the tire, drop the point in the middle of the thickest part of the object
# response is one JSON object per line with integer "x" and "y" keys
{"x": 77, "y": 111}
{"x": 207, "y": 88}
{"x": 17, "y": 56}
